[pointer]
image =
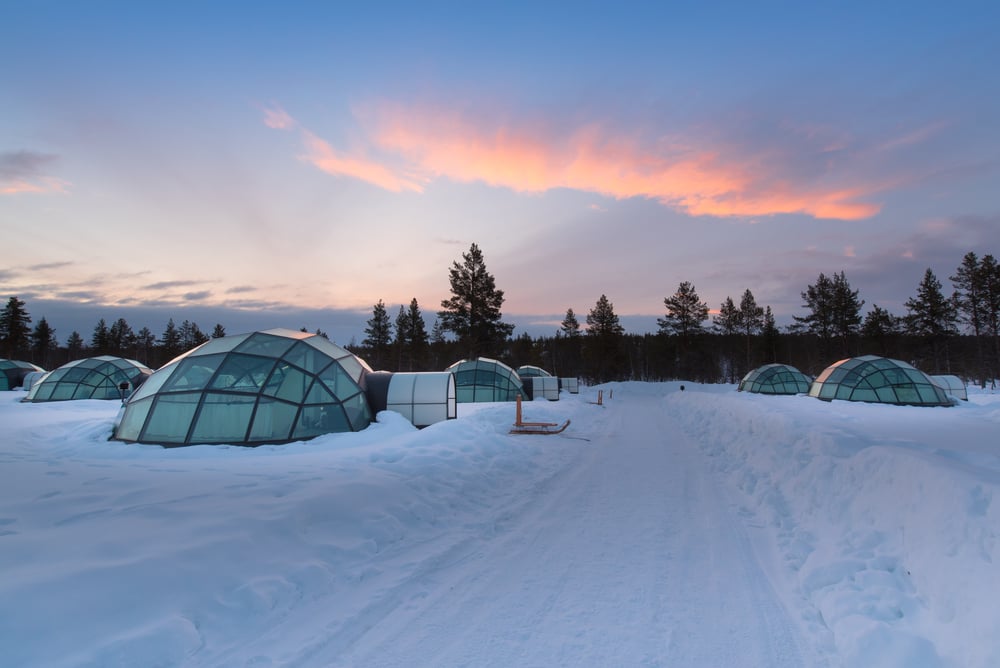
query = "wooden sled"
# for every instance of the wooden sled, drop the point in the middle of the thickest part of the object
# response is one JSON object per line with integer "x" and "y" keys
{"x": 522, "y": 427}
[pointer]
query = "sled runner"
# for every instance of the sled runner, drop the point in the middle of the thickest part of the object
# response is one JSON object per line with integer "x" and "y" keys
{"x": 522, "y": 427}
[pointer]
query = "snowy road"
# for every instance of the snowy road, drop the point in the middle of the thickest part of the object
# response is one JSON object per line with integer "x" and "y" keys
{"x": 630, "y": 553}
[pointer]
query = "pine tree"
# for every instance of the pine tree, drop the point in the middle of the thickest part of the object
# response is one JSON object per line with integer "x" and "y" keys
{"x": 685, "y": 313}
{"x": 411, "y": 341}
{"x": 603, "y": 348}
{"x": 100, "y": 339}
{"x": 74, "y": 346}
{"x": 932, "y": 316}
{"x": 727, "y": 323}
{"x": 751, "y": 320}
{"x": 829, "y": 302}
{"x": 378, "y": 335}
{"x": 473, "y": 311}
{"x": 170, "y": 341}
{"x": 120, "y": 338}
{"x": 416, "y": 336}
{"x": 990, "y": 276}
{"x": 971, "y": 291}
{"x": 191, "y": 335}
{"x": 770, "y": 336}
{"x": 219, "y": 331}
{"x": 880, "y": 328}
{"x": 145, "y": 341}
{"x": 846, "y": 312}
{"x": 43, "y": 343}
{"x": 570, "y": 326}
{"x": 14, "y": 328}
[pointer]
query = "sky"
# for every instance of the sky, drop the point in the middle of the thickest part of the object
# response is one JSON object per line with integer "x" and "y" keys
{"x": 263, "y": 165}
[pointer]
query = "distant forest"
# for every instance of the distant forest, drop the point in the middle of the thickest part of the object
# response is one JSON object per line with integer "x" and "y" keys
{"x": 940, "y": 333}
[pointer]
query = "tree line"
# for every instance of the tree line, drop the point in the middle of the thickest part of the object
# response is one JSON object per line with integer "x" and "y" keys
{"x": 940, "y": 333}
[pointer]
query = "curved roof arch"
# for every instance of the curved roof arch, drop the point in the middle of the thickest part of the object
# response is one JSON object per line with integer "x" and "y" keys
{"x": 485, "y": 379}
{"x": 98, "y": 377}
{"x": 529, "y": 371}
{"x": 877, "y": 379}
{"x": 775, "y": 379}
{"x": 268, "y": 387}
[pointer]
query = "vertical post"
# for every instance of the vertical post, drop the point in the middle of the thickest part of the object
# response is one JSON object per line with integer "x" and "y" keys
{"x": 517, "y": 423}
{"x": 600, "y": 397}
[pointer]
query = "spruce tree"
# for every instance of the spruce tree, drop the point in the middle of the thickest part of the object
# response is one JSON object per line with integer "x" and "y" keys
{"x": 846, "y": 312}
{"x": 145, "y": 342}
{"x": 43, "y": 343}
{"x": 219, "y": 331}
{"x": 74, "y": 346}
{"x": 932, "y": 316}
{"x": 727, "y": 324}
{"x": 100, "y": 339}
{"x": 770, "y": 336}
{"x": 15, "y": 330}
{"x": 971, "y": 291}
{"x": 990, "y": 276}
{"x": 378, "y": 335}
{"x": 880, "y": 329}
{"x": 604, "y": 339}
{"x": 416, "y": 336}
{"x": 170, "y": 341}
{"x": 472, "y": 313}
{"x": 121, "y": 339}
{"x": 751, "y": 320}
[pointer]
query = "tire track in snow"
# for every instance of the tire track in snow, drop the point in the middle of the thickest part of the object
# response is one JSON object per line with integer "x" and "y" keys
{"x": 630, "y": 555}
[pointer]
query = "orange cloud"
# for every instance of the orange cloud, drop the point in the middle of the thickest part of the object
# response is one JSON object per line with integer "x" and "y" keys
{"x": 700, "y": 181}
{"x": 696, "y": 181}
{"x": 321, "y": 155}
{"x": 41, "y": 185}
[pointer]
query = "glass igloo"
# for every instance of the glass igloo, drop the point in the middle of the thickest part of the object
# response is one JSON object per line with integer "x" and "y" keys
{"x": 877, "y": 379}
{"x": 101, "y": 377}
{"x": 775, "y": 379}
{"x": 485, "y": 379}
{"x": 274, "y": 386}
{"x": 12, "y": 373}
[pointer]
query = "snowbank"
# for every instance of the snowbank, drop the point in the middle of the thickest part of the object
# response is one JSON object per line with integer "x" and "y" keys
{"x": 881, "y": 517}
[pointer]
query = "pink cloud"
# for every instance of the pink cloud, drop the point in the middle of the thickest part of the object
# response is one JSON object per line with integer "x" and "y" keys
{"x": 322, "y": 156}
{"x": 696, "y": 180}
{"x": 38, "y": 186}
{"x": 700, "y": 180}
{"x": 278, "y": 119}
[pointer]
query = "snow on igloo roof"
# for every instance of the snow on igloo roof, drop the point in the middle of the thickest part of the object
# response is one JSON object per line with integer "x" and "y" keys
{"x": 273, "y": 386}
{"x": 877, "y": 379}
{"x": 775, "y": 379}
{"x": 485, "y": 379}
{"x": 89, "y": 378}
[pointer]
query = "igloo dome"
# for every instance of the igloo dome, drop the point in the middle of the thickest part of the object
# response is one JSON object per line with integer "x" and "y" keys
{"x": 274, "y": 386}
{"x": 877, "y": 379}
{"x": 775, "y": 379}
{"x": 101, "y": 377}
{"x": 485, "y": 379}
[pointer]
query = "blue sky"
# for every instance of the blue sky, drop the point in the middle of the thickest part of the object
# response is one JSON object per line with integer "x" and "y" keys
{"x": 262, "y": 164}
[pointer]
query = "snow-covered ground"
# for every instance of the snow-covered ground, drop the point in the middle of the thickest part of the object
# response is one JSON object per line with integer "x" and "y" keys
{"x": 664, "y": 528}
